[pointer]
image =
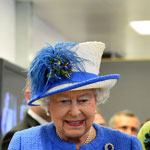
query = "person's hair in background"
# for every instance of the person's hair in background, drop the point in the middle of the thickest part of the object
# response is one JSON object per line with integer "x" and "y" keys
{"x": 99, "y": 119}
{"x": 125, "y": 121}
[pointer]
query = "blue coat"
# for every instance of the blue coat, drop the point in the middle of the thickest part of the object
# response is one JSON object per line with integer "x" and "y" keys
{"x": 45, "y": 138}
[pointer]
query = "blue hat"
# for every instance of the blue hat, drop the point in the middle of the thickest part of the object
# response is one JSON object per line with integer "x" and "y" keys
{"x": 67, "y": 66}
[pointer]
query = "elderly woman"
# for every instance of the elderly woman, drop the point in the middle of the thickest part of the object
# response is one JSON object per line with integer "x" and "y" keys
{"x": 65, "y": 82}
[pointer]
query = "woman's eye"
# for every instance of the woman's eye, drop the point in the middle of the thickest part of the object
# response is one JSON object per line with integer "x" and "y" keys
{"x": 83, "y": 101}
{"x": 64, "y": 101}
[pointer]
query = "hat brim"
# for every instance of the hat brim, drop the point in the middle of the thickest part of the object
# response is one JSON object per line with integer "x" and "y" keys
{"x": 102, "y": 82}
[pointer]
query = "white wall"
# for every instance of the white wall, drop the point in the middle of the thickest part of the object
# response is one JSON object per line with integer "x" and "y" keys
{"x": 7, "y": 29}
{"x": 31, "y": 33}
{"x": 22, "y": 33}
{"x": 42, "y": 33}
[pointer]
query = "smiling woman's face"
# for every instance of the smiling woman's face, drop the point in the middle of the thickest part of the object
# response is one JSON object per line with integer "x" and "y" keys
{"x": 73, "y": 112}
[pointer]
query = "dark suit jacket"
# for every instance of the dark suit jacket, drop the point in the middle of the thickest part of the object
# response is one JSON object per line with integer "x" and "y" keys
{"x": 26, "y": 123}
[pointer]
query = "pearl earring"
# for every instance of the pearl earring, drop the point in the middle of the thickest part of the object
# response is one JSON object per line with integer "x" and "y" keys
{"x": 47, "y": 113}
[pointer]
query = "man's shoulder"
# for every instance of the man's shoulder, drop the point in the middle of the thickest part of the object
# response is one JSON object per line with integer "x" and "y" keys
{"x": 26, "y": 123}
{"x": 20, "y": 126}
{"x": 8, "y": 136}
{"x": 23, "y": 124}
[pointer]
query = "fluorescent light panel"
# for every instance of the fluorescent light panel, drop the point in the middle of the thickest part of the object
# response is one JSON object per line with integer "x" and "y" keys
{"x": 141, "y": 27}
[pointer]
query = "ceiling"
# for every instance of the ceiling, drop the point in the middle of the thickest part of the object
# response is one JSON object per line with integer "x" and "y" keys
{"x": 100, "y": 20}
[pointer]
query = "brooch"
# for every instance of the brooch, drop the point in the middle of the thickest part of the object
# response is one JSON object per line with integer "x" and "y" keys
{"x": 109, "y": 146}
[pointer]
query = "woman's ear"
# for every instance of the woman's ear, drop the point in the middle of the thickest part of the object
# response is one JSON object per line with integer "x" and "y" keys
{"x": 27, "y": 94}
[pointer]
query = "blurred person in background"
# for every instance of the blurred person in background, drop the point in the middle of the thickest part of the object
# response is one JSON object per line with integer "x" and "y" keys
{"x": 125, "y": 121}
{"x": 33, "y": 117}
{"x": 99, "y": 119}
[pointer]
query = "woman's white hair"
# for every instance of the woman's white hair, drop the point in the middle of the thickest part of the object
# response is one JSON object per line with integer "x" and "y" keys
{"x": 101, "y": 96}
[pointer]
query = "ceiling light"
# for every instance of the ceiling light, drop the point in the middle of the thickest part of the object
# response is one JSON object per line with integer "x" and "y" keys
{"x": 141, "y": 27}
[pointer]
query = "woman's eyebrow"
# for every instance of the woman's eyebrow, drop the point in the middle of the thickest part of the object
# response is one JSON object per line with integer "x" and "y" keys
{"x": 85, "y": 94}
{"x": 64, "y": 96}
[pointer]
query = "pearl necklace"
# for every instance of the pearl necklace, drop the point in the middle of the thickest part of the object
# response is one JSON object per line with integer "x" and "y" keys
{"x": 89, "y": 138}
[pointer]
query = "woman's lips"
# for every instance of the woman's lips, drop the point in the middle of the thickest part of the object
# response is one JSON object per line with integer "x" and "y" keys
{"x": 75, "y": 123}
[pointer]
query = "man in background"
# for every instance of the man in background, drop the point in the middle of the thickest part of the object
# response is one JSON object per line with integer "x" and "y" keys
{"x": 125, "y": 121}
{"x": 35, "y": 116}
{"x": 99, "y": 119}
